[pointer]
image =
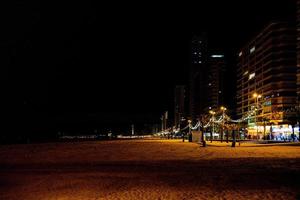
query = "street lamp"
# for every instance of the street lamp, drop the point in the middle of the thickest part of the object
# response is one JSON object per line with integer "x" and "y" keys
{"x": 256, "y": 96}
{"x": 223, "y": 109}
{"x": 190, "y": 122}
{"x": 213, "y": 125}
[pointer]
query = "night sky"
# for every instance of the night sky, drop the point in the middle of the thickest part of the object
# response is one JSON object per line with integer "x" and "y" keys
{"x": 120, "y": 60}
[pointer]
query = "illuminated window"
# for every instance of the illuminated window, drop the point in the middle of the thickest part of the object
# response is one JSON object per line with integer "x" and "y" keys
{"x": 240, "y": 54}
{"x": 251, "y": 76}
{"x": 200, "y": 62}
{"x": 217, "y": 56}
{"x": 252, "y": 49}
{"x": 246, "y": 72}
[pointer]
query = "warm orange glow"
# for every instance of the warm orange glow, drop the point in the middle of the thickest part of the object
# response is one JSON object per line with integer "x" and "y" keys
{"x": 255, "y": 95}
{"x": 223, "y": 108}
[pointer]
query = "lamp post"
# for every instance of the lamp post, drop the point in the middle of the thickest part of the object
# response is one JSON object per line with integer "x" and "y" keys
{"x": 223, "y": 109}
{"x": 189, "y": 121}
{"x": 256, "y": 96}
{"x": 213, "y": 125}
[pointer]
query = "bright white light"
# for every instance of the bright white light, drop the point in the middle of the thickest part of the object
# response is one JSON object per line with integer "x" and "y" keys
{"x": 240, "y": 54}
{"x": 252, "y": 49}
{"x": 251, "y": 76}
{"x": 217, "y": 56}
{"x": 246, "y": 72}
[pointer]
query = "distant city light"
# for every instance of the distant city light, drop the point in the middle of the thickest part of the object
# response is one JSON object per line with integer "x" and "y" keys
{"x": 251, "y": 76}
{"x": 252, "y": 49}
{"x": 246, "y": 72}
{"x": 240, "y": 54}
{"x": 217, "y": 56}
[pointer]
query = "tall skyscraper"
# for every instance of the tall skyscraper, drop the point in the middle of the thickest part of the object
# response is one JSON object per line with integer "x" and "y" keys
{"x": 215, "y": 84}
{"x": 206, "y": 78}
{"x": 298, "y": 50}
{"x": 198, "y": 76}
{"x": 266, "y": 80}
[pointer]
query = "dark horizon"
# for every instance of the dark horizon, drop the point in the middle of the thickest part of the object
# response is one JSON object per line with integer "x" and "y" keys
{"x": 119, "y": 63}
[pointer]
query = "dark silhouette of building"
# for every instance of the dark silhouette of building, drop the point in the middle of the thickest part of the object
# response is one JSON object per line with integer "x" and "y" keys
{"x": 266, "y": 78}
{"x": 206, "y": 78}
{"x": 298, "y": 50}
{"x": 216, "y": 64}
{"x": 198, "y": 76}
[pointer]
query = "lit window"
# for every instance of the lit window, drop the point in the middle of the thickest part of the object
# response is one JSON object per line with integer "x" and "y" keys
{"x": 252, "y": 49}
{"x": 246, "y": 72}
{"x": 209, "y": 84}
{"x": 217, "y": 56}
{"x": 240, "y": 54}
{"x": 220, "y": 92}
{"x": 195, "y": 53}
{"x": 251, "y": 76}
{"x": 200, "y": 62}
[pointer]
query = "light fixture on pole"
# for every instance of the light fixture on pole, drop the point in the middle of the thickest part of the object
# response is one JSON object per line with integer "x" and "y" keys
{"x": 223, "y": 109}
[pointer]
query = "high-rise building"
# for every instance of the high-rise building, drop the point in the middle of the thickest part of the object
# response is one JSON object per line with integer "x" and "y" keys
{"x": 298, "y": 50}
{"x": 198, "y": 76}
{"x": 206, "y": 78}
{"x": 215, "y": 84}
{"x": 266, "y": 80}
{"x": 179, "y": 104}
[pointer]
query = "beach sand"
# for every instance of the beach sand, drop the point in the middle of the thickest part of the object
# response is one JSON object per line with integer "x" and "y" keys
{"x": 148, "y": 169}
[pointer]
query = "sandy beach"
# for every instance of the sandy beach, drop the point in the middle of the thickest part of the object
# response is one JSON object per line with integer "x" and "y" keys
{"x": 148, "y": 169}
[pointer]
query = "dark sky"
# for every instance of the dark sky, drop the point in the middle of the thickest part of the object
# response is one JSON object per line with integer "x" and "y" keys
{"x": 119, "y": 57}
